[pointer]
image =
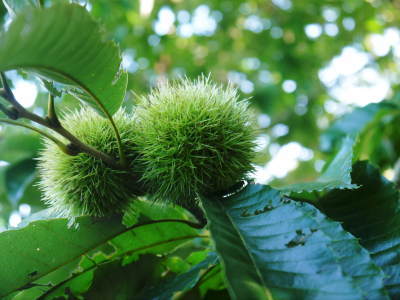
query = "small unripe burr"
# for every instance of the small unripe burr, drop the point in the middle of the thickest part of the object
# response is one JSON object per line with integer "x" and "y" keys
{"x": 83, "y": 184}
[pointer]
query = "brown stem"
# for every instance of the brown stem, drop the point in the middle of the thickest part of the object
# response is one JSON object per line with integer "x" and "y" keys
{"x": 53, "y": 123}
{"x": 77, "y": 145}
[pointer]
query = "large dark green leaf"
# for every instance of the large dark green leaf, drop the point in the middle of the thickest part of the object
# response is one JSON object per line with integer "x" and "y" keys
{"x": 371, "y": 213}
{"x": 64, "y": 43}
{"x": 274, "y": 247}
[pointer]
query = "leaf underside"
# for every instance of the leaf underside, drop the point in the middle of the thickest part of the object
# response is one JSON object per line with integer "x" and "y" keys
{"x": 273, "y": 247}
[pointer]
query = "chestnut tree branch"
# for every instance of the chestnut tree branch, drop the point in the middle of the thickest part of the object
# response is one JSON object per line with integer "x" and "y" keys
{"x": 75, "y": 147}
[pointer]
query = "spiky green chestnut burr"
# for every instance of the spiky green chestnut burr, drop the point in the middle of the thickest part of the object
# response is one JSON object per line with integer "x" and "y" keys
{"x": 194, "y": 138}
{"x": 82, "y": 184}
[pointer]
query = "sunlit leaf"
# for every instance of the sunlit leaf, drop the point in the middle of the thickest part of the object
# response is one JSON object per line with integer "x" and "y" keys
{"x": 63, "y": 43}
{"x": 31, "y": 252}
{"x": 42, "y": 246}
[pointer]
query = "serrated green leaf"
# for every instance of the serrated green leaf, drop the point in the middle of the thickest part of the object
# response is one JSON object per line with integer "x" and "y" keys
{"x": 17, "y": 178}
{"x": 336, "y": 176}
{"x": 276, "y": 248}
{"x": 137, "y": 243}
{"x": 371, "y": 213}
{"x": 52, "y": 42}
{"x": 33, "y": 251}
{"x": 28, "y": 254}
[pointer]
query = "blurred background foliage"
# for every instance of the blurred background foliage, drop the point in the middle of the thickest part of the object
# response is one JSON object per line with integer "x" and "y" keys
{"x": 302, "y": 64}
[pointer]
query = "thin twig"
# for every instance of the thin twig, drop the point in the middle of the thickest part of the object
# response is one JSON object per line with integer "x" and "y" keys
{"x": 60, "y": 144}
